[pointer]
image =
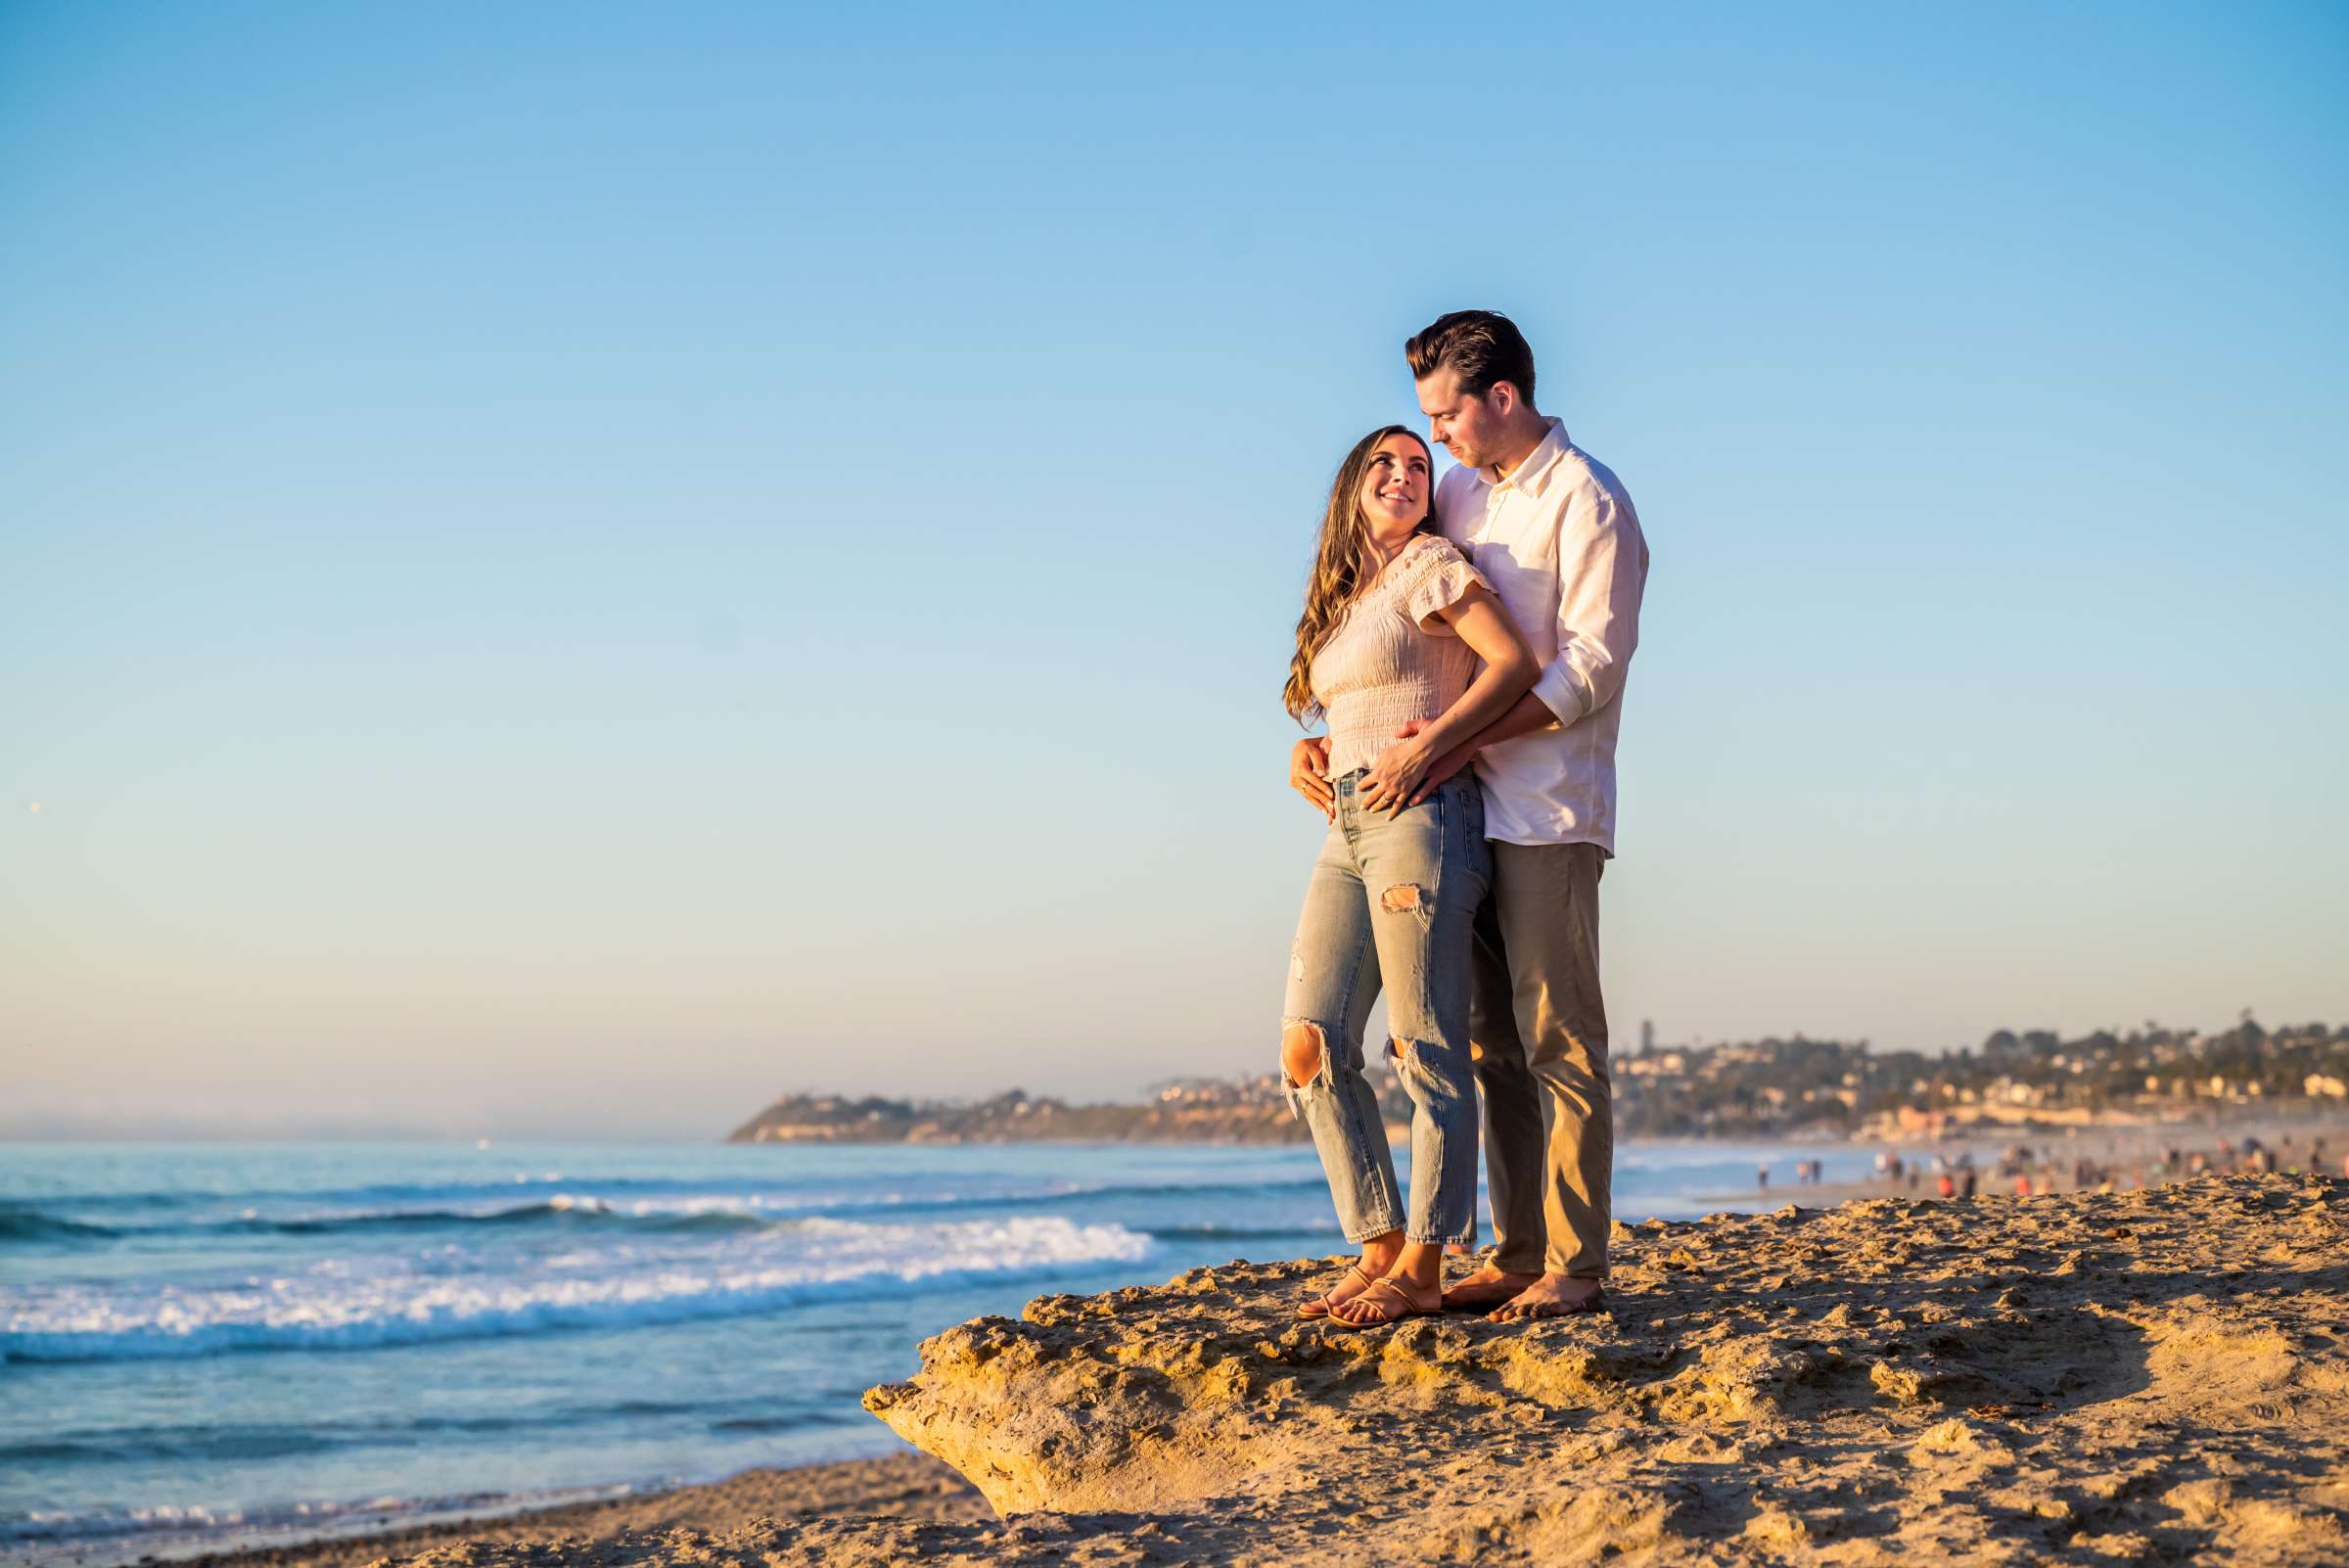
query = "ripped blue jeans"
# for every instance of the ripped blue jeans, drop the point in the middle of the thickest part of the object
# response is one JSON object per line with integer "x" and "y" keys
{"x": 1392, "y": 906}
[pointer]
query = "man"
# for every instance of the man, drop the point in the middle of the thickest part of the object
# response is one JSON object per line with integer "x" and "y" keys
{"x": 1555, "y": 533}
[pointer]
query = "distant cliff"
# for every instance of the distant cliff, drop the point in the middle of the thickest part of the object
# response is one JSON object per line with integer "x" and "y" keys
{"x": 1180, "y": 1113}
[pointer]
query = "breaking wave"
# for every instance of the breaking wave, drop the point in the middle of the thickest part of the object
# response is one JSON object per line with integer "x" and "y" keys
{"x": 398, "y": 1302}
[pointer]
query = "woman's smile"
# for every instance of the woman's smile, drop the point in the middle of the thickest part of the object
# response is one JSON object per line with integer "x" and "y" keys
{"x": 1394, "y": 489}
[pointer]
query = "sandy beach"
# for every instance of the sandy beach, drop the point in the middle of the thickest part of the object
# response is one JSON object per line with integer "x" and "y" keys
{"x": 2122, "y": 1156}
{"x": 904, "y": 1485}
{"x": 2136, "y": 1377}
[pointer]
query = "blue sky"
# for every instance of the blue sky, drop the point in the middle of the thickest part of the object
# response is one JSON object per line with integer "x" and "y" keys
{"x": 572, "y": 567}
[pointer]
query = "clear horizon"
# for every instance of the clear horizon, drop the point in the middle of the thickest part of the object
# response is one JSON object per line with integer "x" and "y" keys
{"x": 573, "y": 570}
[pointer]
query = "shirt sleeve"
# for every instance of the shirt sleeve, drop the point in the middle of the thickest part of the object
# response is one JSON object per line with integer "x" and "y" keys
{"x": 1603, "y": 574}
{"x": 1444, "y": 581}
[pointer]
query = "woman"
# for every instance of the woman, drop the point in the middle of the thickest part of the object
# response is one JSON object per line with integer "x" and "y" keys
{"x": 1395, "y": 622}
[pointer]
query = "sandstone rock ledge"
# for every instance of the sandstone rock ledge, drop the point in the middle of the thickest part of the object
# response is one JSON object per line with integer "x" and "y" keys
{"x": 2153, "y": 1377}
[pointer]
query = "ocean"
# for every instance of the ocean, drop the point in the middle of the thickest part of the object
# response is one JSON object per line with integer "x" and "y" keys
{"x": 218, "y": 1342}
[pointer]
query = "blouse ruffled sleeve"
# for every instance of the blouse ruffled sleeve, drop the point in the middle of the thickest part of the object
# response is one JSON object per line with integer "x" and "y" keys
{"x": 1444, "y": 581}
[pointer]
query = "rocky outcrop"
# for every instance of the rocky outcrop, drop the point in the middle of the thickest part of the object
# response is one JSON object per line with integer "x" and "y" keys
{"x": 2154, "y": 1376}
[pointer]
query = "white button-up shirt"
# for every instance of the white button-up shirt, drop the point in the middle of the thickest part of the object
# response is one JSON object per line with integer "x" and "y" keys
{"x": 1562, "y": 547}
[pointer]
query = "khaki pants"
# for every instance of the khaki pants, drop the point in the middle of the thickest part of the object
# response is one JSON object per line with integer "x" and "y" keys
{"x": 1538, "y": 1036}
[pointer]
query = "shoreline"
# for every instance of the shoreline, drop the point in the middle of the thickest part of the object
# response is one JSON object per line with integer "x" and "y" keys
{"x": 913, "y": 1488}
{"x": 2151, "y": 1377}
{"x": 904, "y": 1484}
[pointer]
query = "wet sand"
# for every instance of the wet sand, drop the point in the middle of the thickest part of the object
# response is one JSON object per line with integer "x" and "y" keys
{"x": 623, "y": 1529}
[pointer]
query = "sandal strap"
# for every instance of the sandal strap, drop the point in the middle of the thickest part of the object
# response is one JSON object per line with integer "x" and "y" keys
{"x": 1330, "y": 1308}
{"x": 1409, "y": 1307}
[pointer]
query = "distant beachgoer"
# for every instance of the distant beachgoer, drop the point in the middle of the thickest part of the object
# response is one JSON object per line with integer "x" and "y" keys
{"x": 1946, "y": 1184}
{"x": 1966, "y": 1184}
{"x": 1552, "y": 530}
{"x": 1397, "y": 626}
{"x": 1762, "y": 1178}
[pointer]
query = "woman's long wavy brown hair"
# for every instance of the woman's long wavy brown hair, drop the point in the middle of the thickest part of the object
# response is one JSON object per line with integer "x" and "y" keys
{"x": 1338, "y": 562}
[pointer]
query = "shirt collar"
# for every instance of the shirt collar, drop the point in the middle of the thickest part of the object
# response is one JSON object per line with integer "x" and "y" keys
{"x": 1533, "y": 474}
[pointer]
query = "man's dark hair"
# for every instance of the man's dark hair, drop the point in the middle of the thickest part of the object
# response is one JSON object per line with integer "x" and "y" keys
{"x": 1482, "y": 346}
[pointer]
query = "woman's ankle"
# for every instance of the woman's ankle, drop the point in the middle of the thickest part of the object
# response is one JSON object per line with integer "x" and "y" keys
{"x": 1419, "y": 1264}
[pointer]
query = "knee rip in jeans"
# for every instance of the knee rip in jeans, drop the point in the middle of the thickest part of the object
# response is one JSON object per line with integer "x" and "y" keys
{"x": 1403, "y": 1055}
{"x": 1305, "y": 1059}
{"x": 1404, "y": 898}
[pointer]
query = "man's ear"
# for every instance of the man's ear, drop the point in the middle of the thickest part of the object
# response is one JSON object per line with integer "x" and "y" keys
{"x": 1503, "y": 397}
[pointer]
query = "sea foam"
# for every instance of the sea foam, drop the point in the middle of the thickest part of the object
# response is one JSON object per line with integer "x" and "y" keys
{"x": 357, "y": 1303}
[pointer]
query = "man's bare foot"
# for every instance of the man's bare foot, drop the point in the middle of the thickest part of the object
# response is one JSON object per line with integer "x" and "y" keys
{"x": 1484, "y": 1290}
{"x": 1550, "y": 1296}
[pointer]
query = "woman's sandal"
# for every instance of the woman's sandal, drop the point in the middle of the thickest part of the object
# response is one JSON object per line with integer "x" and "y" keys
{"x": 1320, "y": 1306}
{"x": 1388, "y": 1316}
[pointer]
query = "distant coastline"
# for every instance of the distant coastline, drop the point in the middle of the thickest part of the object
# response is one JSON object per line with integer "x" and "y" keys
{"x": 1207, "y": 1113}
{"x": 1798, "y": 1089}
